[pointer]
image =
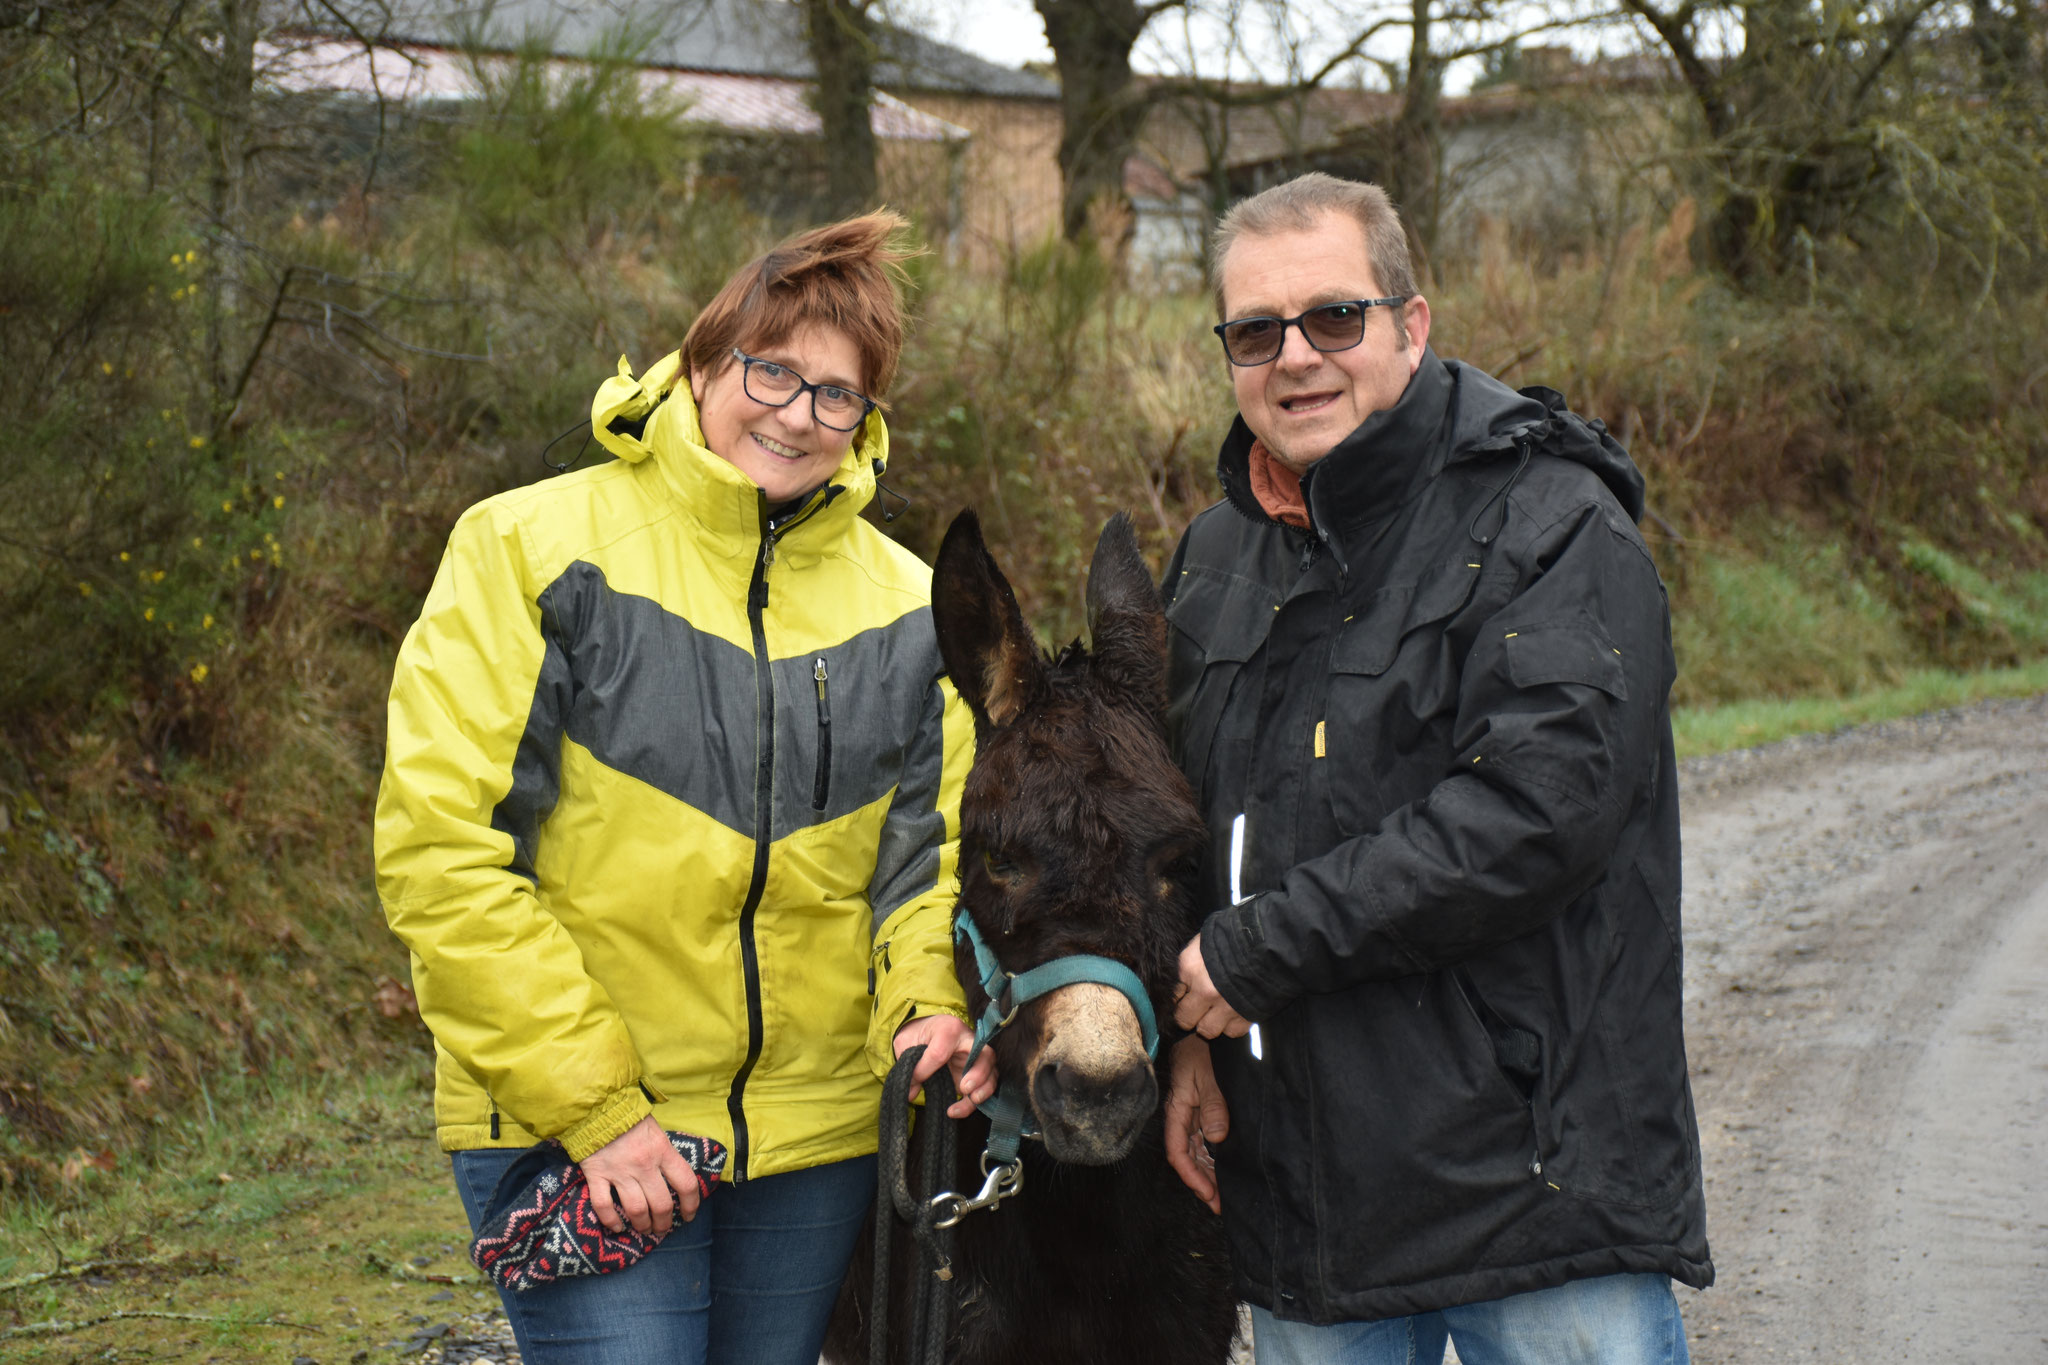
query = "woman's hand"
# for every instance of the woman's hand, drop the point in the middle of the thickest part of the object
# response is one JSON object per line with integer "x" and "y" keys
{"x": 1195, "y": 1117}
{"x": 947, "y": 1042}
{"x": 631, "y": 1179}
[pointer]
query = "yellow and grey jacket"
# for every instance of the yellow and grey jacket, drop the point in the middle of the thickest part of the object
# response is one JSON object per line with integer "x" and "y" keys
{"x": 670, "y": 806}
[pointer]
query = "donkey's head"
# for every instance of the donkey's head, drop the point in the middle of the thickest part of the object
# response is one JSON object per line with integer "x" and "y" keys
{"x": 1078, "y": 833}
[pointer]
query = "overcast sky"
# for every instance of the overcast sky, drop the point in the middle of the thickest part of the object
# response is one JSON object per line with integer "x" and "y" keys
{"x": 1009, "y": 32}
{"x": 1006, "y": 32}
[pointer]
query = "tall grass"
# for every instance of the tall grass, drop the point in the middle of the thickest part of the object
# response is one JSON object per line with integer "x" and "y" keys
{"x": 1745, "y": 724}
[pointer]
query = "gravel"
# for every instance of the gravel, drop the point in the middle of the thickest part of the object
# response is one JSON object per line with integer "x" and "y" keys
{"x": 1867, "y": 1017}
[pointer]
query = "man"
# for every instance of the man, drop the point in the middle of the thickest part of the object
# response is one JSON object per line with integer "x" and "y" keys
{"x": 1420, "y": 663}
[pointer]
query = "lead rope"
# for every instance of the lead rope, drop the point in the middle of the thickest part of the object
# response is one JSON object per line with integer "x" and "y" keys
{"x": 931, "y": 1219}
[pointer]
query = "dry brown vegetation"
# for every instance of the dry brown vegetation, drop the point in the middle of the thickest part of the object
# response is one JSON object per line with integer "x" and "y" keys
{"x": 1848, "y": 480}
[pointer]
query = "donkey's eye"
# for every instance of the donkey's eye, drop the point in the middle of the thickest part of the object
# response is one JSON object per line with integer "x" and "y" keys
{"x": 1001, "y": 869}
{"x": 1172, "y": 868}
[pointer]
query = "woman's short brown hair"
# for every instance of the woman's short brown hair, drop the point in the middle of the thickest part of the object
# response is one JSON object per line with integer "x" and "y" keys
{"x": 847, "y": 275}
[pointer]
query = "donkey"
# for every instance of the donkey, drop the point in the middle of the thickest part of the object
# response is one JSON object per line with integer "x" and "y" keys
{"x": 1077, "y": 836}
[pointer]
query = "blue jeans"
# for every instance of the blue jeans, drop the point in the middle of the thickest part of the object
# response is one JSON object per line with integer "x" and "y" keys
{"x": 750, "y": 1281}
{"x": 1611, "y": 1320}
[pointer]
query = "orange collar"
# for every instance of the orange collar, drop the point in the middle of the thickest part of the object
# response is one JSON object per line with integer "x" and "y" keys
{"x": 1277, "y": 488}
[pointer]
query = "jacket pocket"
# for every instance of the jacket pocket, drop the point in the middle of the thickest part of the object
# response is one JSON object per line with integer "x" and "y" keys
{"x": 1225, "y": 617}
{"x": 1517, "y": 1055}
{"x": 1570, "y": 651}
{"x": 821, "y": 781}
{"x": 1219, "y": 622}
{"x": 1393, "y": 696}
{"x": 1373, "y": 635}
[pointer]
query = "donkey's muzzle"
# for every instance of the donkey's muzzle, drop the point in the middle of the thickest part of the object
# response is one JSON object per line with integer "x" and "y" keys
{"x": 1092, "y": 1119}
{"x": 1092, "y": 1085}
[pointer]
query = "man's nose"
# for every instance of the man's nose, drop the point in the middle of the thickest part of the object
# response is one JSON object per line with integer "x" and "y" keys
{"x": 1295, "y": 352}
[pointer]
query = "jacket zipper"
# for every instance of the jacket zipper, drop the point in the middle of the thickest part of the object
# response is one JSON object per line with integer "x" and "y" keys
{"x": 764, "y": 813}
{"x": 821, "y": 785}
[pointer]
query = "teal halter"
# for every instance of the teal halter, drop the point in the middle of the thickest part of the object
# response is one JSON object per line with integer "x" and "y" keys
{"x": 1009, "y": 992}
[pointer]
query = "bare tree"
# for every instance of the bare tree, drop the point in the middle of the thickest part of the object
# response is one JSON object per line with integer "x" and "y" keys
{"x": 1406, "y": 147}
{"x": 1795, "y": 124}
{"x": 1104, "y": 106}
{"x": 2008, "y": 38}
{"x": 1100, "y": 115}
{"x": 842, "y": 42}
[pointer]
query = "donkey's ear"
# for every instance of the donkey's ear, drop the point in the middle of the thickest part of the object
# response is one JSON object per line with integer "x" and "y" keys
{"x": 1126, "y": 626}
{"x": 989, "y": 651}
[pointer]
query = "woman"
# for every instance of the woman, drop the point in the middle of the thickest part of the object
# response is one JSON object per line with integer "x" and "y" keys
{"x": 669, "y": 815}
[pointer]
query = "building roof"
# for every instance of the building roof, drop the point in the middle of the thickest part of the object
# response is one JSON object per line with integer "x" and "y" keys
{"x": 740, "y": 37}
{"x": 399, "y": 72}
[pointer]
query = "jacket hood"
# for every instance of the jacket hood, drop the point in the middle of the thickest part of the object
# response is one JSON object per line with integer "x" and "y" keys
{"x": 1586, "y": 441}
{"x": 653, "y": 417}
{"x": 1450, "y": 412}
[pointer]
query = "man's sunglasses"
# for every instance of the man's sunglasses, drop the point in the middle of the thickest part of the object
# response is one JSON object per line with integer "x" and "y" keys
{"x": 1329, "y": 327}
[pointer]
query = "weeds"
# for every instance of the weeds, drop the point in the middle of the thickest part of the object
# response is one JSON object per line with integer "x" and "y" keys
{"x": 1847, "y": 488}
{"x": 286, "y": 1232}
{"x": 1744, "y": 724}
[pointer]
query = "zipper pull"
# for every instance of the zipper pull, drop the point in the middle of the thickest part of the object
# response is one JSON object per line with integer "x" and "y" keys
{"x": 821, "y": 788}
{"x": 757, "y": 592}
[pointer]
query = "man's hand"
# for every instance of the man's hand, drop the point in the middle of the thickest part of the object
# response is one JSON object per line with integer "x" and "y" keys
{"x": 1199, "y": 1009}
{"x": 947, "y": 1042}
{"x": 1195, "y": 1117}
{"x": 639, "y": 1178}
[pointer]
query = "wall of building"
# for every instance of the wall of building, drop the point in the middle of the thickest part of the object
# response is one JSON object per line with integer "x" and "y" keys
{"x": 1568, "y": 170}
{"x": 1009, "y": 173}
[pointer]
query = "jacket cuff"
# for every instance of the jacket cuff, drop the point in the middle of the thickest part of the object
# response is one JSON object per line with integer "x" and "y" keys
{"x": 1233, "y": 942}
{"x": 620, "y": 1111}
{"x": 882, "y": 1033}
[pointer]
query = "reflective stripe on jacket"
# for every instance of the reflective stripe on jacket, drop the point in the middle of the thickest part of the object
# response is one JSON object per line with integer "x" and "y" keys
{"x": 671, "y": 802}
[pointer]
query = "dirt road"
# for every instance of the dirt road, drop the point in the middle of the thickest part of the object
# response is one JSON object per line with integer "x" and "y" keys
{"x": 1867, "y": 1021}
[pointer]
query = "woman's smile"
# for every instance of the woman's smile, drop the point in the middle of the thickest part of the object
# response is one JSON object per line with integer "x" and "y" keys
{"x": 777, "y": 448}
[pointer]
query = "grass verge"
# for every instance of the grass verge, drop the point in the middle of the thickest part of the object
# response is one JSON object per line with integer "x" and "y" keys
{"x": 1745, "y": 724}
{"x": 304, "y": 1228}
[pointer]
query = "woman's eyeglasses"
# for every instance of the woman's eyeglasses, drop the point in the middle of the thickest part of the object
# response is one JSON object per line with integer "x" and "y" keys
{"x": 1329, "y": 327}
{"x": 777, "y": 386}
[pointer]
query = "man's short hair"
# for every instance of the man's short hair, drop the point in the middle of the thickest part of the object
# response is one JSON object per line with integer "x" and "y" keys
{"x": 847, "y": 275}
{"x": 1298, "y": 204}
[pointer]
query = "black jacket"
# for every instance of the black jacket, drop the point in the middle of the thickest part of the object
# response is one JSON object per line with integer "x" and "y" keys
{"x": 1443, "y": 713}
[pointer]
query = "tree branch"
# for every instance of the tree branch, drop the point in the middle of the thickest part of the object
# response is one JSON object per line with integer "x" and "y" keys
{"x": 59, "y": 1327}
{"x": 83, "y": 1268}
{"x": 1897, "y": 30}
{"x": 1672, "y": 29}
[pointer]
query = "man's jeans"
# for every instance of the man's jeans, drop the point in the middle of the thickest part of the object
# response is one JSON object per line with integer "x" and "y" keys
{"x": 1612, "y": 1320}
{"x": 750, "y": 1281}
